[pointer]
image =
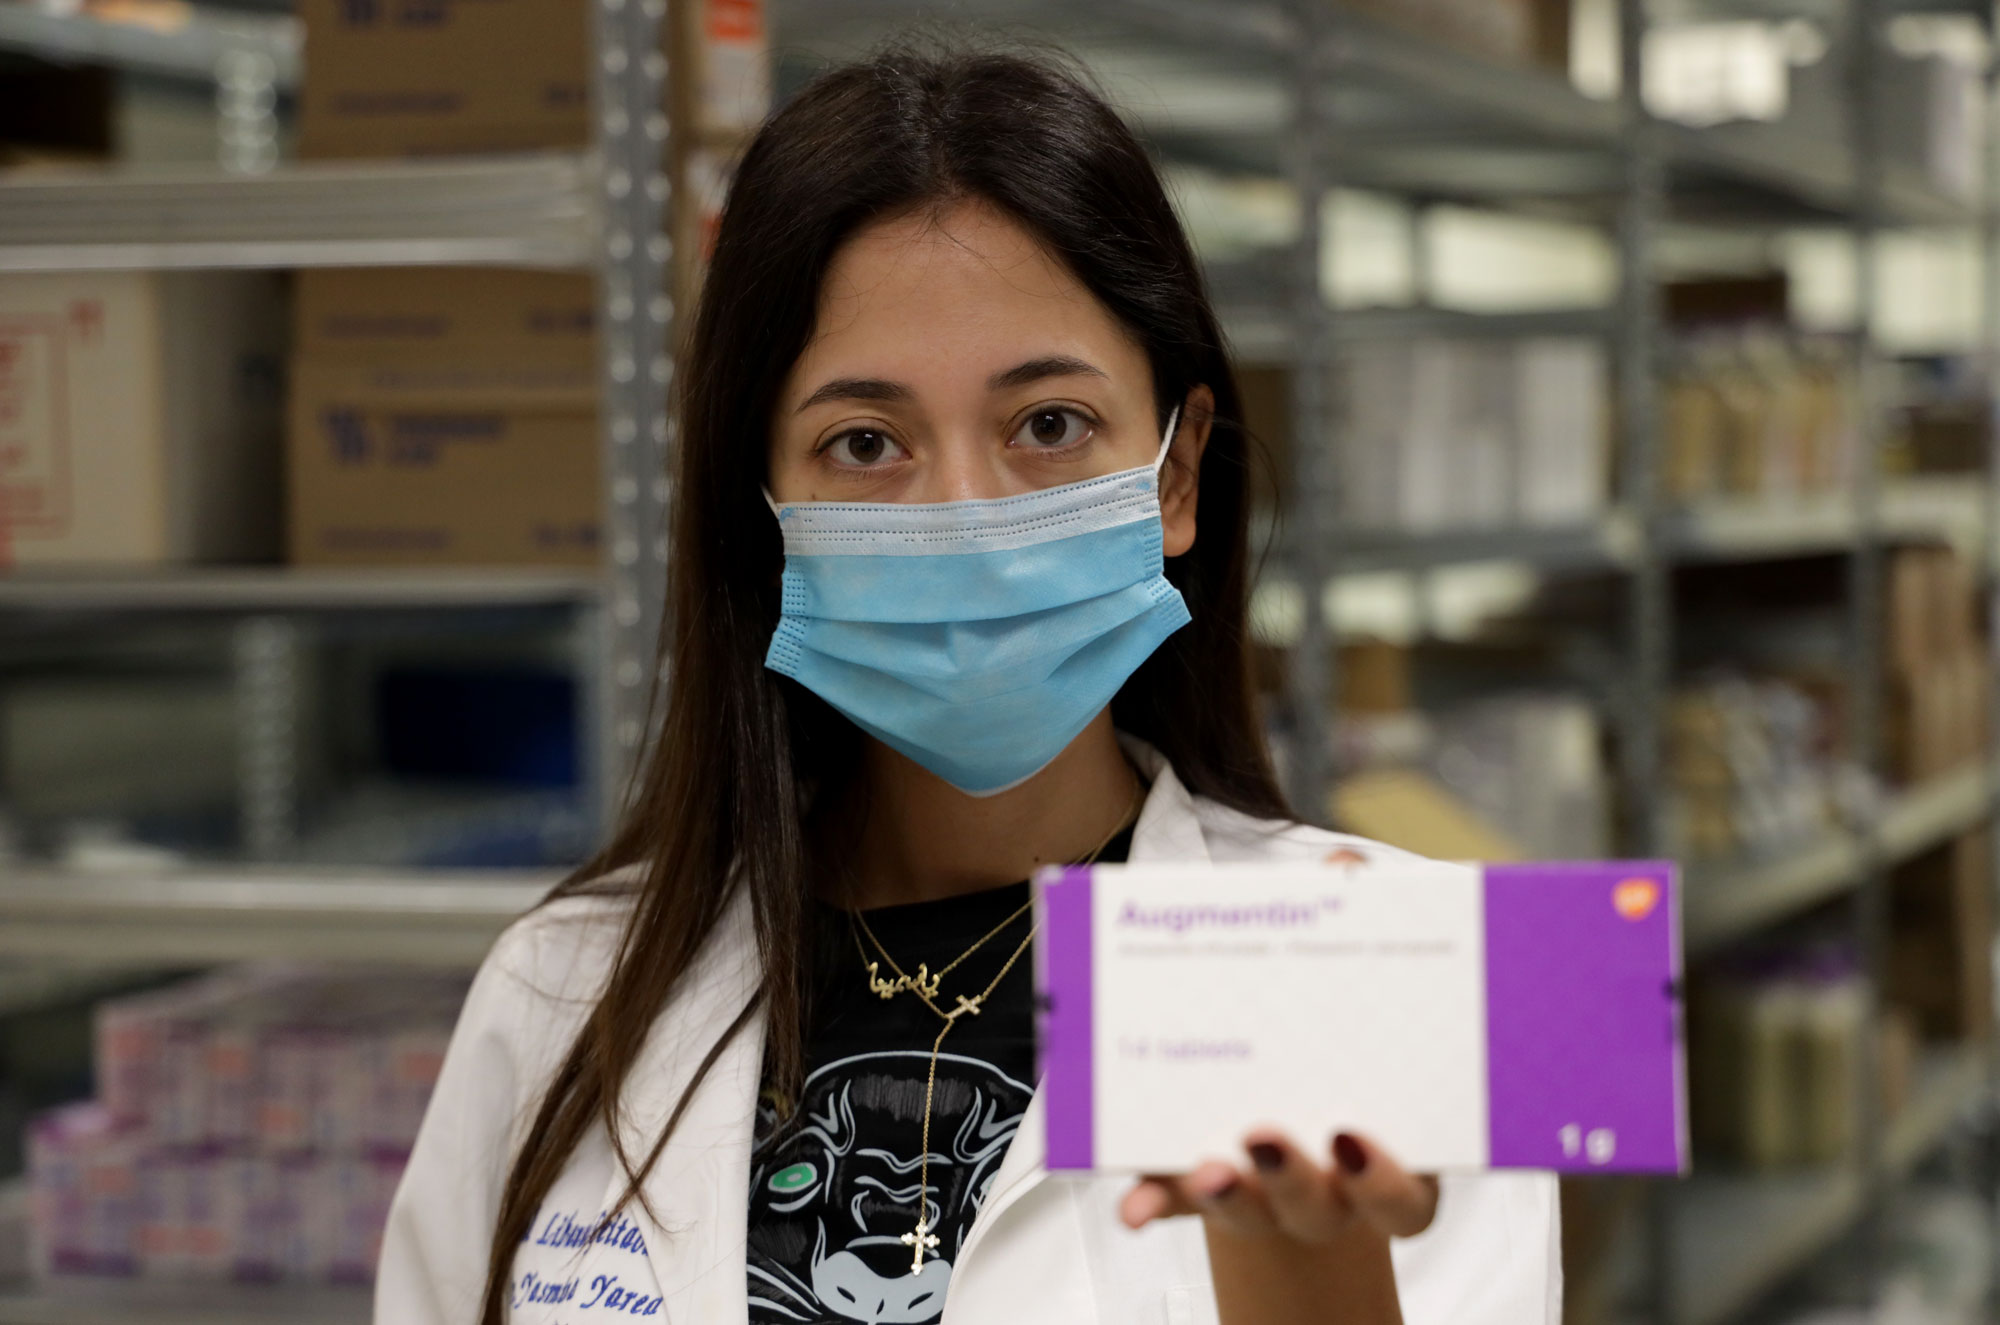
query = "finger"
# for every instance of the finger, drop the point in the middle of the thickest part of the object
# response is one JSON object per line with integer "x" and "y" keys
{"x": 1382, "y": 1192}
{"x": 1229, "y": 1200}
{"x": 1153, "y": 1198}
{"x": 1305, "y": 1200}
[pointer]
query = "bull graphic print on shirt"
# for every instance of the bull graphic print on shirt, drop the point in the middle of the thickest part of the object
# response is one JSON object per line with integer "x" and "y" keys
{"x": 833, "y": 1187}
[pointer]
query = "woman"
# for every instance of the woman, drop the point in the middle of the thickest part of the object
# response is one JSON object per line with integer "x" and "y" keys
{"x": 941, "y": 616}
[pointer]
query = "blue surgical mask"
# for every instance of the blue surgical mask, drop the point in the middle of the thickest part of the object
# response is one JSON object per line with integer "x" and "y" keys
{"x": 977, "y": 637}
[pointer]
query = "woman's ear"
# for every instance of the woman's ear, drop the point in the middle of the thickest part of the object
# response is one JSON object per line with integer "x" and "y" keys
{"x": 1180, "y": 477}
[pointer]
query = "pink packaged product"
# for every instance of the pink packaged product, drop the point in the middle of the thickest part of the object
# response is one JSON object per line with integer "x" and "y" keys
{"x": 253, "y": 1125}
{"x": 83, "y": 1179}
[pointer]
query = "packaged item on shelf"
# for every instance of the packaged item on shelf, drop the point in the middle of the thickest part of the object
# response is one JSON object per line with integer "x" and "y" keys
{"x": 443, "y": 464}
{"x": 1518, "y": 31}
{"x": 1408, "y": 808}
{"x": 722, "y": 50}
{"x": 1933, "y": 113}
{"x": 84, "y": 1193}
{"x": 1534, "y": 763}
{"x": 445, "y": 76}
{"x": 252, "y": 1126}
{"x": 1939, "y": 677}
{"x": 138, "y": 415}
{"x": 1750, "y": 765}
{"x": 1773, "y": 1045}
{"x": 1941, "y": 939}
{"x": 1752, "y": 412}
{"x": 1455, "y": 434}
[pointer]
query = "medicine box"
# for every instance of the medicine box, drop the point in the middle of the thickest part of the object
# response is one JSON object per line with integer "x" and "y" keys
{"x": 1460, "y": 1016}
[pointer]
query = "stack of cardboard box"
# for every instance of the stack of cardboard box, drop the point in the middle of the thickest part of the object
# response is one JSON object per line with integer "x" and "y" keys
{"x": 139, "y": 417}
{"x": 1941, "y": 939}
{"x": 1939, "y": 675}
{"x": 392, "y": 78}
{"x": 444, "y": 417}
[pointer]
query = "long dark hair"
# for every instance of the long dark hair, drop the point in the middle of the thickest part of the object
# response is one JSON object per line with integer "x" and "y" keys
{"x": 724, "y": 800}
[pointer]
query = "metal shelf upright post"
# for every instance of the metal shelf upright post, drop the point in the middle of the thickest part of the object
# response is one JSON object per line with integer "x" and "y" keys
{"x": 1314, "y": 472}
{"x": 1865, "y": 43}
{"x": 1649, "y": 608}
{"x": 636, "y": 316}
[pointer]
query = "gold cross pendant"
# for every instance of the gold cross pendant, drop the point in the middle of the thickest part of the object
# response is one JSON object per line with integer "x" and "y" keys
{"x": 919, "y": 1242}
{"x": 966, "y": 1005}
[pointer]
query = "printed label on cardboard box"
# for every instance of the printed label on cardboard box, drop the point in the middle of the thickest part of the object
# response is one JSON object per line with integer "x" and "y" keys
{"x": 34, "y": 434}
{"x": 1464, "y": 1017}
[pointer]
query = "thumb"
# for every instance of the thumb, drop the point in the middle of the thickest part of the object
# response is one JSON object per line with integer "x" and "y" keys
{"x": 1395, "y": 1202}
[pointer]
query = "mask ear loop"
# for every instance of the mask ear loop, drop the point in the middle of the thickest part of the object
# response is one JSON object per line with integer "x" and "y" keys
{"x": 1167, "y": 442}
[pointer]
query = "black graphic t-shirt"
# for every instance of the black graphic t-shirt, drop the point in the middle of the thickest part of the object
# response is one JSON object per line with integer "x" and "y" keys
{"x": 834, "y": 1175}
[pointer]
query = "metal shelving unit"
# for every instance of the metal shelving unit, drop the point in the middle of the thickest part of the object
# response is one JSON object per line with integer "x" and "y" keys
{"x": 191, "y": 42}
{"x": 113, "y": 1302}
{"x": 600, "y": 210}
{"x": 194, "y": 916}
{"x": 533, "y": 209}
{"x": 1725, "y": 903}
{"x": 1739, "y": 1234}
{"x": 1313, "y": 93}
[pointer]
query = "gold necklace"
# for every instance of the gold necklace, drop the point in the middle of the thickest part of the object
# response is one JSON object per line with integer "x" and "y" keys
{"x": 925, "y": 987}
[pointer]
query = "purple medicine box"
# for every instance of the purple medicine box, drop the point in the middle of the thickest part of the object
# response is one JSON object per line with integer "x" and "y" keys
{"x": 1465, "y": 1017}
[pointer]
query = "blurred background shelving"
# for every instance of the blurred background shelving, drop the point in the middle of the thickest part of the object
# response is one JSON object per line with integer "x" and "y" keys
{"x": 1666, "y": 522}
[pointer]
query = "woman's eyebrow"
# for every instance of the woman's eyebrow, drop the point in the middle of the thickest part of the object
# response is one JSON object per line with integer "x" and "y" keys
{"x": 857, "y": 388}
{"x": 1034, "y": 370}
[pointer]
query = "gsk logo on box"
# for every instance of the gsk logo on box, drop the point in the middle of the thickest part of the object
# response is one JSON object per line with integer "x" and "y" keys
{"x": 1635, "y": 898}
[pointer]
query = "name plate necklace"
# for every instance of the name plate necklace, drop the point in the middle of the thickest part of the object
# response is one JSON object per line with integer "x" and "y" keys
{"x": 926, "y": 986}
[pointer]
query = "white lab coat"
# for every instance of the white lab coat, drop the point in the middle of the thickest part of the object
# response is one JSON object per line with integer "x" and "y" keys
{"x": 1042, "y": 1248}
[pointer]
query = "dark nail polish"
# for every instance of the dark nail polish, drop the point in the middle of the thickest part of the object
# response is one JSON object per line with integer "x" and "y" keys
{"x": 1347, "y": 1152}
{"x": 1267, "y": 1157}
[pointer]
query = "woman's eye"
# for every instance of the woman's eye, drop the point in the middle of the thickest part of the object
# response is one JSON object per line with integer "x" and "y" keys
{"x": 862, "y": 448}
{"x": 1051, "y": 429}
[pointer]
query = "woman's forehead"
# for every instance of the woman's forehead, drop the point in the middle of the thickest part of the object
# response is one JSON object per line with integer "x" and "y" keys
{"x": 964, "y": 289}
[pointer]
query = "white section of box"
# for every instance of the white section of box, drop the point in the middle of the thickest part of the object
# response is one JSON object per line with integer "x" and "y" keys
{"x": 1371, "y": 1012}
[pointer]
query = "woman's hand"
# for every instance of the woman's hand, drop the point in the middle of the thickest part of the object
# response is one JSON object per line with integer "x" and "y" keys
{"x": 1292, "y": 1239}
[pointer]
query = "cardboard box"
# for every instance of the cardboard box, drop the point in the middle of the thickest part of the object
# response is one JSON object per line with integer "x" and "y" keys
{"x": 443, "y": 464}
{"x": 470, "y": 314}
{"x": 1374, "y": 677}
{"x": 722, "y": 50}
{"x": 1941, "y": 939}
{"x": 422, "y": 77}
{"x": 139, "y": 417}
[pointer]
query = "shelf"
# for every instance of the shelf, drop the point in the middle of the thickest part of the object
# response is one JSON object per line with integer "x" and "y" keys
{"x": 1728, "y": 902}
{"x": 127, "y": 1302}
{"x": 412, "y": 917}
{"x": 1604, "y": 544}
{"x": 1951, "y": 507}
{"x": 179, "y": 41}
{"x": 1414, "y": 115}
{"x": 530, "y": 210}
{"x": 290, "y": 589}
{"x": 1750, "y": 528}
{"x": 1920, "y": 818}
{"x": 1735, "y": 1238}
{"x": 1261, "y": 329}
